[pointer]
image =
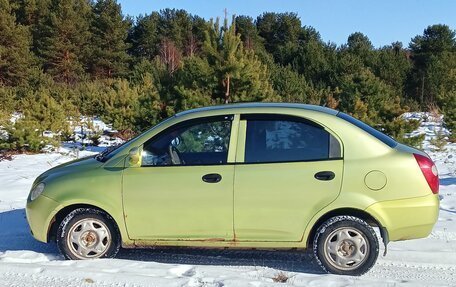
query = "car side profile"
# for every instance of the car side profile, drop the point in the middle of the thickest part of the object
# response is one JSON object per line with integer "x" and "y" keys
{"x": 257, "y": 175}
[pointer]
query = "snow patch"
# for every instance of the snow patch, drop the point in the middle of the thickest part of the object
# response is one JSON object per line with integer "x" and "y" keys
{"x": 25, "y": 256}
{"x": 26, "y": 262}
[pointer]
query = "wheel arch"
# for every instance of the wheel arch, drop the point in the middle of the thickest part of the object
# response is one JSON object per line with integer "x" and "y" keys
{"x": 62, "y": 213}
{"x": 372, "y": 221}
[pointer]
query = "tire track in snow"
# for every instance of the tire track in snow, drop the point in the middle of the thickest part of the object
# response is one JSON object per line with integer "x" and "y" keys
{"x": 426, "y": 274}
{"x": 19, "y": 279}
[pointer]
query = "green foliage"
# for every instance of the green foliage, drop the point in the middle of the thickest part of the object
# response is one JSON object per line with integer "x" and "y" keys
{"x": 40, "y": 112}
{"x": 63, "y": 48}
{"x": 44, "y": 109}
{"x": 439, "y": 141}
{"x": 149, "y": 105}
{"x": 95, "y": 138}
{"x": 24, "y": 135}
{"x": 7, "y": 103}
{"x": 62, "y": 59}
{"x": 392, "y": 66}
{"x": 400, "y": 130}
{"x": 434, "y": 55}
{"x": 241, "y": 75}
{"x": 281, "y": 33}
{"x": 15, "y": 42}
{"x": 184, "y": 30}
{"x": 120, "y": 103}
{"x": 248, "y": 31}
{"x": 367, "y": 97}
{"x": 289, "y": 85}
{"x": 206, "y": 137}
{"x": 109, "y": 31}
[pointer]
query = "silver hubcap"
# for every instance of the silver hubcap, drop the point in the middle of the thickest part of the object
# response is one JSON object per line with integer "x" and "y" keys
{"x": 89, "y": 238}
{"x": 346, "y": 248}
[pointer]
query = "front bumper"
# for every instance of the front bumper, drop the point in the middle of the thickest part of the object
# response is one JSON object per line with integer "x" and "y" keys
{"x": 410, "y": 218}
{"x": 40, "y": 212}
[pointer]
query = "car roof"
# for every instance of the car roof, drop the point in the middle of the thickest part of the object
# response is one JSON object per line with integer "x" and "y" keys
{"x": 260, "y": 105}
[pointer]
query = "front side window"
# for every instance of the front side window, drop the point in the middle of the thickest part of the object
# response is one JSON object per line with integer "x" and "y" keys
{"x": 288, "y": 140}
{"x": 197, "y": 142}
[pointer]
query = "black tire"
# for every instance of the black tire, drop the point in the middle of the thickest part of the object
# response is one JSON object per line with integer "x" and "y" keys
{"x": 97, "y": 221}
{"x": 367, "y": 248}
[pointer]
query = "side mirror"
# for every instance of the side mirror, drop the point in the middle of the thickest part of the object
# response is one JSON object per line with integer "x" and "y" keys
{"x": 134, "y": 156}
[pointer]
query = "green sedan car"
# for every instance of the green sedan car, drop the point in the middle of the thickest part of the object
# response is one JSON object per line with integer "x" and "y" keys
{"x": 269, "y": 176}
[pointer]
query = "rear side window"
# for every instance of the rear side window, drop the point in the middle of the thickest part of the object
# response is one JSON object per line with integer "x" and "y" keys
{"x": 370, "y": 130}
{"x": 287, "y": 139}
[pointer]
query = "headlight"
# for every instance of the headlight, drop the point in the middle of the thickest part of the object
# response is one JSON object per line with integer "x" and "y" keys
{"x": 36, "y": 191}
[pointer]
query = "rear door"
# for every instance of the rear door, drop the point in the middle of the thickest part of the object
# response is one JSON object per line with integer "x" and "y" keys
{"x": 287, "y": 169}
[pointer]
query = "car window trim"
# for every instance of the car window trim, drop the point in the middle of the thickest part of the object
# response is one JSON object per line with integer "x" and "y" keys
{"x": 245, "y": 117}
{"x": 191, "y": 122}
{"x": 294, "y": 118}
{"x": 279, "y": 117}
{"x": 246, "y": 163}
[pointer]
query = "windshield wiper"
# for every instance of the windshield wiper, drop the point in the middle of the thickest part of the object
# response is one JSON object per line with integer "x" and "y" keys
{"x": 101, "y": 155}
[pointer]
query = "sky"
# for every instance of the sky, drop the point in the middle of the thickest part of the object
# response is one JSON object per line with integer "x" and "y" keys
{"x": 383, "y": 21}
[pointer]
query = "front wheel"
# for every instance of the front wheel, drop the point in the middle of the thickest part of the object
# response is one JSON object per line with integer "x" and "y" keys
{"x": 346, "y": 245}
{"x": 88, "y": 233}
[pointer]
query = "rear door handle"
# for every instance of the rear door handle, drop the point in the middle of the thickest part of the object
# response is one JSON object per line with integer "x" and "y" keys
{"x": 212, "y": 178}
{"x": 325, "y": 175}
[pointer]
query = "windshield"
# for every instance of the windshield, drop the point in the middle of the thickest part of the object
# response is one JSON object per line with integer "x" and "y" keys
{"x": 109, "y": 152}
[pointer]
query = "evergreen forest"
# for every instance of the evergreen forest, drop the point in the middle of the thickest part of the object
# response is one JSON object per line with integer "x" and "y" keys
{"x": 60, "y": 59}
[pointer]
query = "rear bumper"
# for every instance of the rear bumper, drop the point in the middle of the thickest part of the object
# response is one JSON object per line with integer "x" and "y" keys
{"x": 40, "y": 212}
{"x": 407, "y": 218}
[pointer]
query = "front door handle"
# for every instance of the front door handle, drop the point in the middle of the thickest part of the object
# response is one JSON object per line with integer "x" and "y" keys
{"x": 325, "y": 175}
{"x": 212, "y": 178}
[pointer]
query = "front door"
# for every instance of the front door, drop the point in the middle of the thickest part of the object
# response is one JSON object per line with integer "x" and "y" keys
{"x": 183, "y": 189}
{"x": 291, "y": 169}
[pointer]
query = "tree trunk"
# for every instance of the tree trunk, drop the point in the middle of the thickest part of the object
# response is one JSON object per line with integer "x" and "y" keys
{"x": 227, "y": 93}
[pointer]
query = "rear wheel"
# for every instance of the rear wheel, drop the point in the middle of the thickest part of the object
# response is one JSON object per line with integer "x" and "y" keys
{"x": 88, "y": 233}
{"x": 346, "y": 245}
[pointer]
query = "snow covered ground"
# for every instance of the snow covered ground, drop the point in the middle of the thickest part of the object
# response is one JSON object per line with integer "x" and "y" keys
{"x": 27, "y": 262}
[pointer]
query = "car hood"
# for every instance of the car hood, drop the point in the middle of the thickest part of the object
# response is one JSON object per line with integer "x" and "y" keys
{"x": 74, "y": 166}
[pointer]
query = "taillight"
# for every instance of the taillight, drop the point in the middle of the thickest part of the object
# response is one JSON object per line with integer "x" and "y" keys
{"x": 430, "y": 172}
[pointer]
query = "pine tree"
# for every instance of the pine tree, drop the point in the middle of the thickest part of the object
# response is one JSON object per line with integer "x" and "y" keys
{"x": 313, "y": 58}
{"x": 149, "y": 108}
{"x": 249, "y": 33}
{"x": 144, "y": 37}
{"x": 436, "y": 45}
{"x": 120, "y": 104}
{"x": 175, "y": 25}
{"x": 64, "y": 49}
{"x": 185, "y": 31}
{"x": 393, "y": 66}
{"x": 109, "y": 29}
{"x": 40, "y": 112}
{"x": 7, "y": 104}
{"x": 34, "y": 14}
{"x": 241, "y": 75}
{"x": 289, "y": 85}
{"x": 195, "y": 84}
{"x": 41, "y": 107}
{"x": 15, "y": 41}
{"x": 281, "y": 33}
